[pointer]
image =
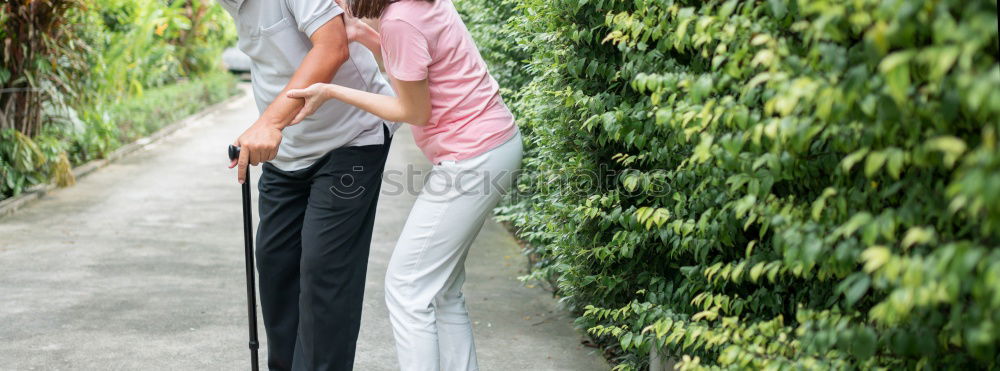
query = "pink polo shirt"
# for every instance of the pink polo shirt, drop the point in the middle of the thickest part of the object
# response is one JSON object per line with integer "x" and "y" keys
{"x": 428, "y": 40}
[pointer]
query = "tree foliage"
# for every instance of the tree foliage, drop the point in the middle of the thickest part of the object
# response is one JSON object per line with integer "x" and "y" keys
{"x": 767, "y": 184}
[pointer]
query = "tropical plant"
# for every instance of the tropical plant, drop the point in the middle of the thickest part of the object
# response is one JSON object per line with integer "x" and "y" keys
{"x": 38, "y": 61}
{"x": 75, "y": 78}
{"x": 40, "y": 65}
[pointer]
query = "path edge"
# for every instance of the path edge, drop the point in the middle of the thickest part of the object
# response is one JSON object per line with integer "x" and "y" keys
{"x": 12, "y": 205}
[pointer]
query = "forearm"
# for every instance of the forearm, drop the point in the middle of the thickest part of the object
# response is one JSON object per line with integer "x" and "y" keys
{"x": 319, "y": 65}
{"x": 388, "y": 108}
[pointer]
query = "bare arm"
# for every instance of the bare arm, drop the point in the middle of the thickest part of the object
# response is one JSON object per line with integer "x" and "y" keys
{"x": 412, "y": 103}
{"x": 260, "y": 142}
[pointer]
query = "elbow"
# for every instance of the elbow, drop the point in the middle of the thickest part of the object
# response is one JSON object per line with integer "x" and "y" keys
{"x": 331, "y": 56}
{"x": 339, "y": 54}
{"x": 419, "y": 119}
{"x": 418, "y": 114}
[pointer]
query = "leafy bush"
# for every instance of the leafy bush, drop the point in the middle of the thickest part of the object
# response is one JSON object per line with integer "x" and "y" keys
{"x": 152, "y": 42}
{"x": 770, "y": 184}
{"x": 79, "y": 78}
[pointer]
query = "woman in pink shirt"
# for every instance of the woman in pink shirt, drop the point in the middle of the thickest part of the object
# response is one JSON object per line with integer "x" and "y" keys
{"x": 461, "y": 124}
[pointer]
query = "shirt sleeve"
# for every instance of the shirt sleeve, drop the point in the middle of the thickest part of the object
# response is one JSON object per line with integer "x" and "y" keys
{"x": 310, "y": 15}
{"x": 405, "y": 51}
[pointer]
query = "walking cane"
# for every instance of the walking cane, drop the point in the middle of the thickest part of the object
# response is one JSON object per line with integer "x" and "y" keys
{"x": 234, "y": 153}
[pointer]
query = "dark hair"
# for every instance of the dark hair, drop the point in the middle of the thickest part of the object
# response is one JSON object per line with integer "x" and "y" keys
{"x": 371, "y": 8}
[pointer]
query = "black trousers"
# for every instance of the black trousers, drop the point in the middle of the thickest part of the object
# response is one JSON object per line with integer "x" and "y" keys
{"x": 312, "y": 254}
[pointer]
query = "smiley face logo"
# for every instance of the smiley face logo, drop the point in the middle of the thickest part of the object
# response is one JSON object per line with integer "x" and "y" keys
{"x": 345, "y": 186}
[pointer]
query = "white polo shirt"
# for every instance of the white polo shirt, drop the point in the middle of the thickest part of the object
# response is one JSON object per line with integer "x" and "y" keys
{"x": 275, "y": 34}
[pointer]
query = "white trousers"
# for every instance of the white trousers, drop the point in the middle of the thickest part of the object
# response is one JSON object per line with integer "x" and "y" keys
{"x": 423, "y": 284}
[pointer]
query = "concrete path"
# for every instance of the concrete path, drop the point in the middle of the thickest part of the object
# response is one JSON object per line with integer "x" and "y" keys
{"x": 140, "y": 267}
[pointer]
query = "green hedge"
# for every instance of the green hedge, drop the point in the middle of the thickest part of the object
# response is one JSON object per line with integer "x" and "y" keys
{"x": 766, "y": 184}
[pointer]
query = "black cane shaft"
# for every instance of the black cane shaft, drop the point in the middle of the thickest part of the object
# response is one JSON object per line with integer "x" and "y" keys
{"x": 251, "y": 280}
{"x": 234, "y": 153}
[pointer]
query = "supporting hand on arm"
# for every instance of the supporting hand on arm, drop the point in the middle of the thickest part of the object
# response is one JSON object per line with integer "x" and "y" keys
{"x": 412, "y": 103}
{"x": 259, "y": 143}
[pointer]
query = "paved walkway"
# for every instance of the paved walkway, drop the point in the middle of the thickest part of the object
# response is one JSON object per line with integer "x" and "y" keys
{"x": 140, "y": 267}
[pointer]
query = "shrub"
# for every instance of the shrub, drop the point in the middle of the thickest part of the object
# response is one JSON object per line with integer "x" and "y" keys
{"x": 769, "y": 184}
{"x": 152, "y": 42}
{"x": 79, "y": 78}
{"x": 40, "y": 65}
